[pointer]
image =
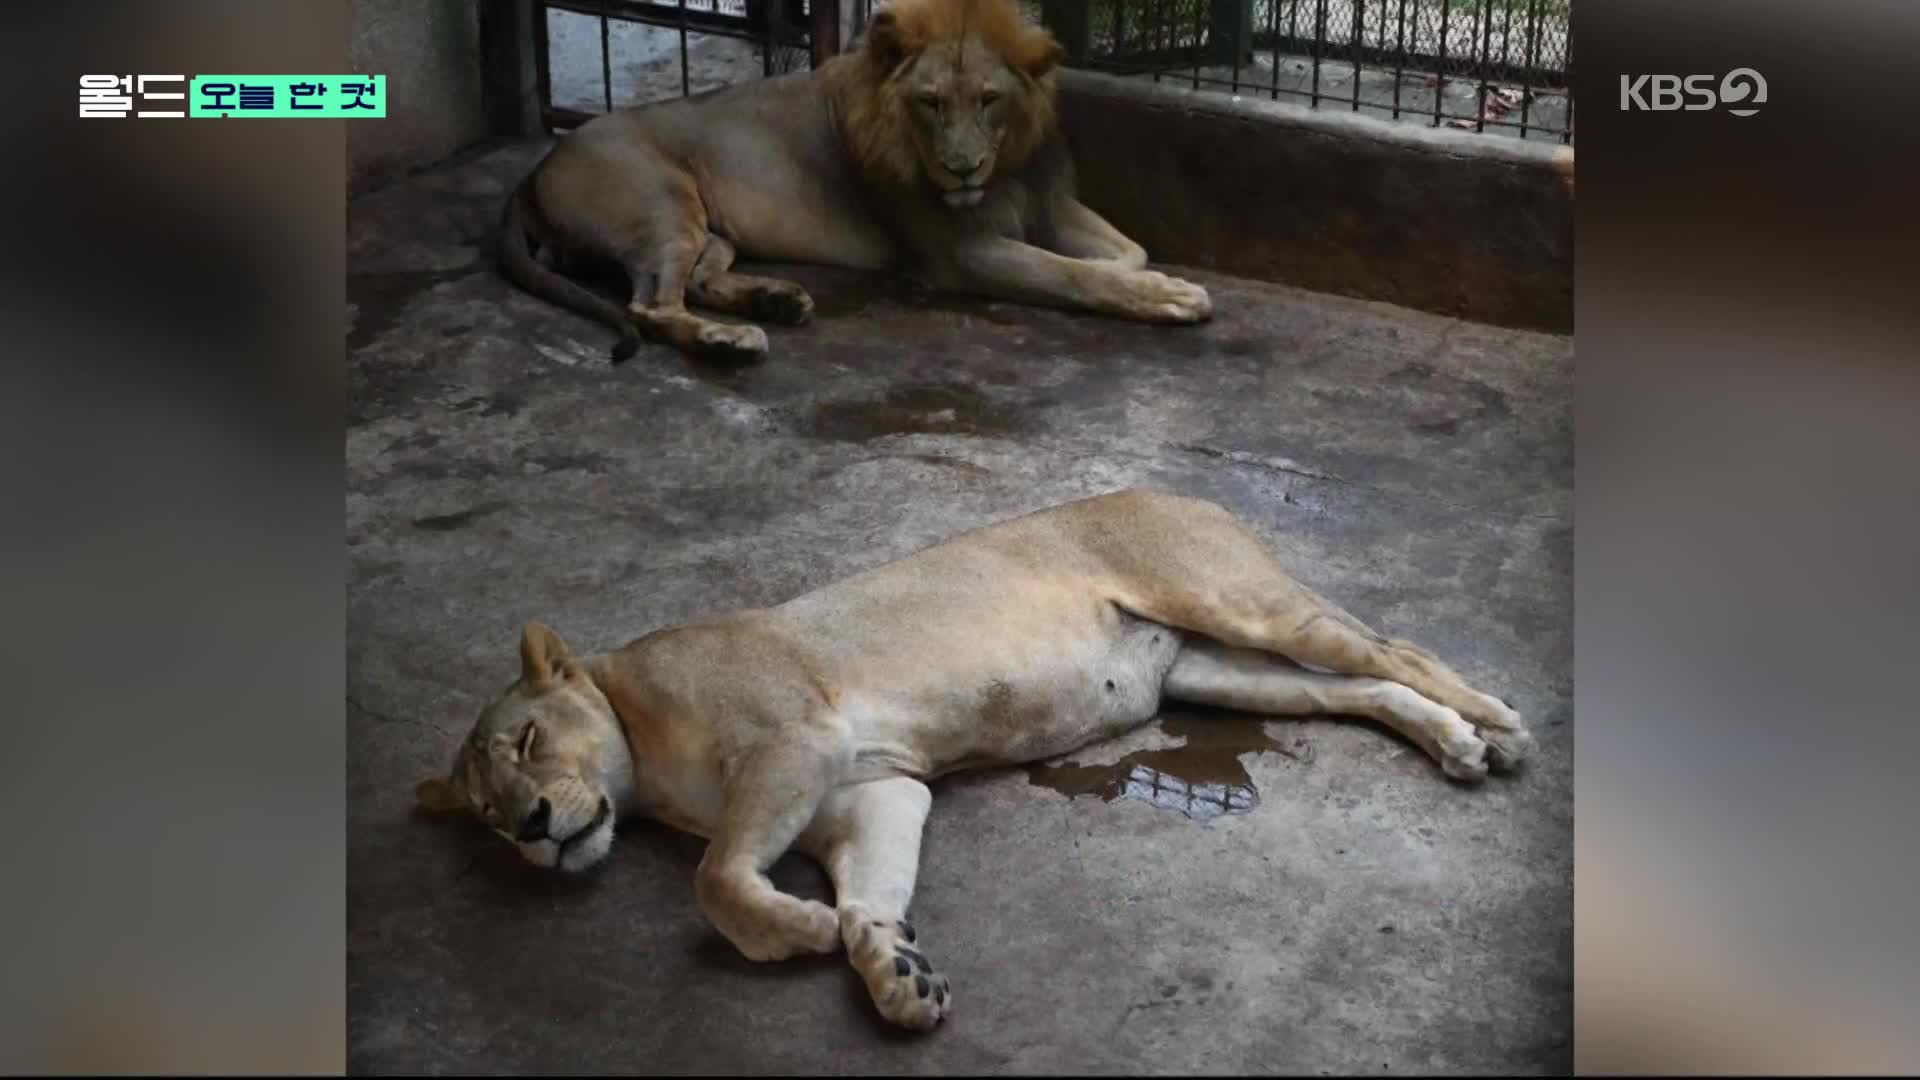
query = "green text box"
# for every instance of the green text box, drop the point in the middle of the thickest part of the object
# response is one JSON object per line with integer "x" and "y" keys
{"x": 323, "y": 97}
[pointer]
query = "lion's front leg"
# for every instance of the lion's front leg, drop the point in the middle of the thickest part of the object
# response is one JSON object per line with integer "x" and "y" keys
{"x": 1080, "y": 233}
{"x": 1011, "y": 270}
{"x": 868, "y": 836}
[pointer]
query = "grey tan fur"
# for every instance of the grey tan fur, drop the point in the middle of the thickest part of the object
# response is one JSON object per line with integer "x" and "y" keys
{"x": 814, "y": 725}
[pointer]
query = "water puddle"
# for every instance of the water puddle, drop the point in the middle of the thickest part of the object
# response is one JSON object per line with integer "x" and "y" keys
{"x": 1202, "y": 779}
{"x": 954, "y": 409}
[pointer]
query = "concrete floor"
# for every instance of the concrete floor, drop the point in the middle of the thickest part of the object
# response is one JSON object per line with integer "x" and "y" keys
{"x": 1318, "y": 898}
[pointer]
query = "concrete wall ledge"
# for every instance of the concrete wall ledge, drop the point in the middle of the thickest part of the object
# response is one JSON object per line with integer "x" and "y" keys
{"x": 1470, "y": 224}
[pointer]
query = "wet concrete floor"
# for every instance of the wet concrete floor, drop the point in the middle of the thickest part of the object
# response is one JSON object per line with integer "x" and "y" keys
{"x": 1213, "y": 893}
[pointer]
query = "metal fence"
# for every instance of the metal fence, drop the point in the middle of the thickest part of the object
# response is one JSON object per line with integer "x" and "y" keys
{"x": 1497, "y": 66}
{"x": 778, "y": 35}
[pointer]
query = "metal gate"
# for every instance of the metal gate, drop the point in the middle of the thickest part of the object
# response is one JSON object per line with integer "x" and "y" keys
{"x": 788, "y": 34}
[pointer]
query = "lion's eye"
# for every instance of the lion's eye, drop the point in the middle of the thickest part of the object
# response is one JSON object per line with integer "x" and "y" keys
{"x": 989, "y": 98}
{"x": 929, "y": 101}
{"x": 526, "y": 741}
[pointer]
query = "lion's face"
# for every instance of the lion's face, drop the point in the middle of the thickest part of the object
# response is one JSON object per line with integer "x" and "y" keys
{"x": 547, "y": 764}
{"x": 962, "y": 91}
{"x": 959, "y": 102}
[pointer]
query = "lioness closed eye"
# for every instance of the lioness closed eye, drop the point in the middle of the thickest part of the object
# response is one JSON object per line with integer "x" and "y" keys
{"x": 814, "y": 725}
{"x": 933, "y": 149}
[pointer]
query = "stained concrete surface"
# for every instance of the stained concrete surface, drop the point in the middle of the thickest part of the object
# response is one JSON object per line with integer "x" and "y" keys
{"x": 1352, "y": 911}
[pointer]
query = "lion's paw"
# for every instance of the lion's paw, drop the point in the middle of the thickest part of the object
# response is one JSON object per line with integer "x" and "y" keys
{"x": 902, "y": 982}
{"x": 733, "y": 344}
{"x": 1169, "y": 299}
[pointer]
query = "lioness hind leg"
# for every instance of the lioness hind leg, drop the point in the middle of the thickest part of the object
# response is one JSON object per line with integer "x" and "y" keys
{"x": 769, "y": 802}
{"x": 713, "y": 285}
{"x": 1192, "y": 565}
{"x": 1326, "y": 636}
{"x": 662, "y": 309}
{"x": 868, "y": 837}
{"x": 1250, "y": 680}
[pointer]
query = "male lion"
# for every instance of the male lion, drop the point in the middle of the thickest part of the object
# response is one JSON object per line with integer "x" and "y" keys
{"x": 933, "y": 148}
{"x": 815, "y": 724}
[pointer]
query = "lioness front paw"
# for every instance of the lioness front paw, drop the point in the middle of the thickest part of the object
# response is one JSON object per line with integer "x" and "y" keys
{"x": 733, "y": 344}
{"x": 899, "y": 978}
{"x": 1169, "y": 299}
{"x": 800, "y": 928}
{"x": 783, "y": 303}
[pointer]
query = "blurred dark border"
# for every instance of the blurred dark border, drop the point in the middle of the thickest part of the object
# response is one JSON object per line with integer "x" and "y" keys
{"x": 1748, "y": 429}
{"x": 174, "y": 334}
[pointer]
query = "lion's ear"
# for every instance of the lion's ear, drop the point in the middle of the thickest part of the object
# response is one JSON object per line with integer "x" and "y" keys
{"x": 1040, "y": 54}
{"x": 438, "y": 795}
{"x": 884, "y": 43}
{"x": 543, "y": 656}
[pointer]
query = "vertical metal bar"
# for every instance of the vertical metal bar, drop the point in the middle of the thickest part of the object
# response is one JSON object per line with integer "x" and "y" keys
{"x": 1486, "y": 61}
{"x": 1119, "y": 47}
{"x": 606, "y": 59}
{"x": 1200, "y": 13}
{"x": 1506, "y": 42}
{"x": 1359, "y": 36}
{"x": 1159, "y": 39}
{"x": 1533, "y": 46}
{"x": 686, "y": 77}
{"x": 1506, "y": 36}
{"x": 1440, "y": 69}
{"x": 1400, "y": 59}
{"x": 823, "y": 30}
{"x": 542, "y": 62}
{"x": 1237, "y": 43}
{"x": 1566, "y": 136}
{"x": 1273, "y": 35}
{"x": 1319, "y": 45}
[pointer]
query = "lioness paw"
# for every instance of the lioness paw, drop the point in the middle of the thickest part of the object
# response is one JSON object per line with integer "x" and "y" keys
{"x": 1169, "y": 299}
{"x": 782, "y": 303}
{"x": 899, "y": 977}
{"x": 733, "y": 344}
{"x": 1464, "y": 757}
{"x": 1506, "y": 735}
{"x": 802, "y": 927}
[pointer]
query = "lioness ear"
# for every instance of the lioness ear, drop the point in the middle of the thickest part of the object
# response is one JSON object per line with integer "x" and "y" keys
{"x": 543, "y": 656}
{"x": 438, "y": 795}
{"x": 883, "y": 40}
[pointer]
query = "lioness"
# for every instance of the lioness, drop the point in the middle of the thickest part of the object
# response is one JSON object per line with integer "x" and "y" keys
{"x": 814, "y": 725}
{"x": 933, "y": 148}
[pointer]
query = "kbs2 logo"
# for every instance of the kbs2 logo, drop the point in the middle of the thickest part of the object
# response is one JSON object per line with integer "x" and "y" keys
{"x": 1664, "y": 93}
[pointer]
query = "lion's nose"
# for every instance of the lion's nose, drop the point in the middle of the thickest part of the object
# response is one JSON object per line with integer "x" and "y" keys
{"x": 535, "y": 827}
{"x": 964, "y": 168}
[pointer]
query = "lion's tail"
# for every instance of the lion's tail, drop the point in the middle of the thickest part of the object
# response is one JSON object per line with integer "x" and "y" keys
{"x": 553, "y": 287}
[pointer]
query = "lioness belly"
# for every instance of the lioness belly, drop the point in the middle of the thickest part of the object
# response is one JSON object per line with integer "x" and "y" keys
{"x": 1052, "y": 697}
